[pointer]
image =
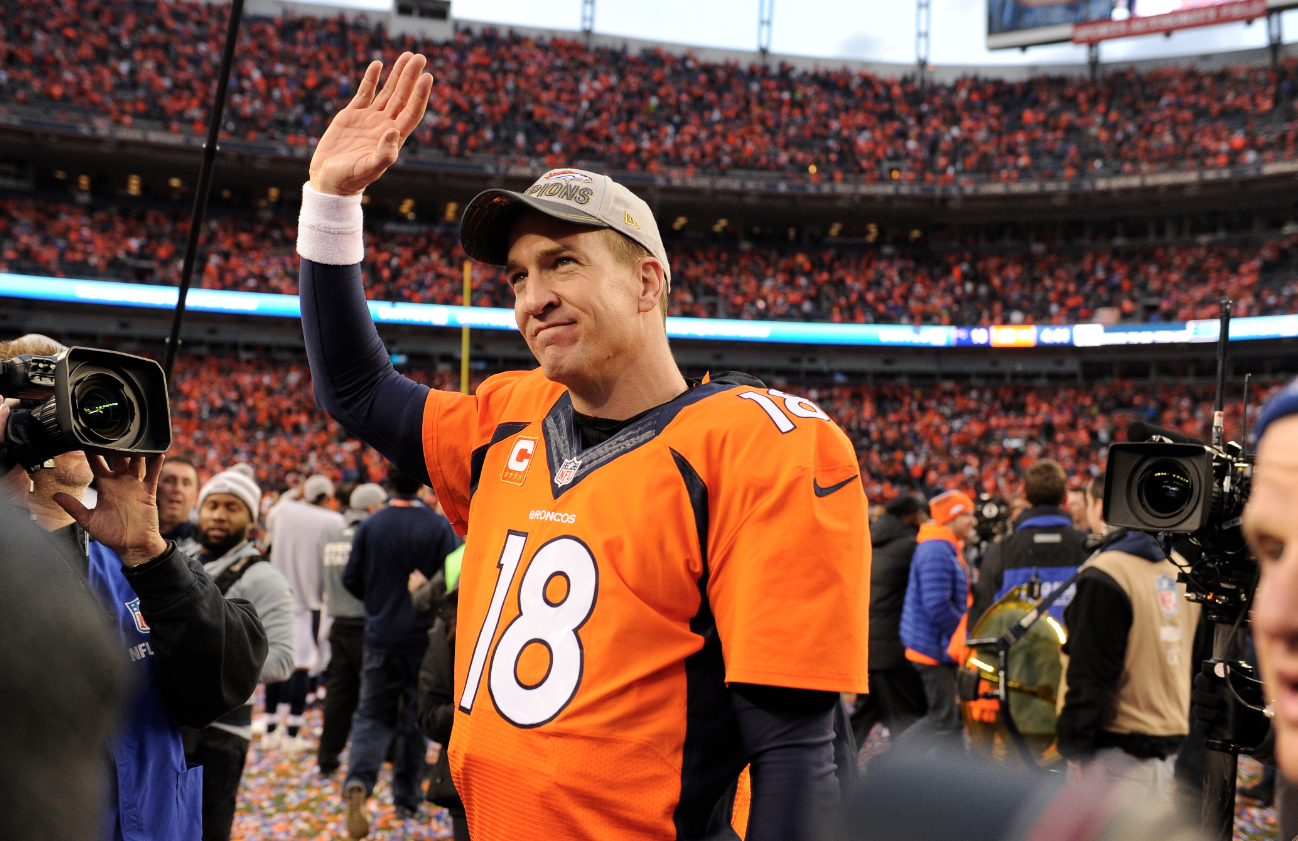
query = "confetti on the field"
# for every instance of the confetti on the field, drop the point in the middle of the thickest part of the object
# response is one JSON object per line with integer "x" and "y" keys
{"x": 284, "y": 798}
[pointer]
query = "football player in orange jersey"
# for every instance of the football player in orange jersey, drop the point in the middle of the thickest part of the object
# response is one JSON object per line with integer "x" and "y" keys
{"x": 664, "y": 581}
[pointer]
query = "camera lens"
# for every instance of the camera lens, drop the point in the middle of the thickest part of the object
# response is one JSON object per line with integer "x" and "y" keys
{"x": 1166, "y": 488}
{"x": 100, "y": 406}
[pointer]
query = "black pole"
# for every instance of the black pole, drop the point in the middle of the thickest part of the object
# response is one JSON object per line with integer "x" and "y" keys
{"x": 1221, "y": 763}
{"x": 1223, "y": 363}
{"x": 204, "y": 183}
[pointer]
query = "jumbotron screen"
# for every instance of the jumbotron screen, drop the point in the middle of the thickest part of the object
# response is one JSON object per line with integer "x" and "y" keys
{"x": 1014, "y": 23}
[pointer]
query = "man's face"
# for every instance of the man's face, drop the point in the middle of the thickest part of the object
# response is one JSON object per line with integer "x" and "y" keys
{"x": 70, "y": 474}
{"x": 963, "y": 525}
{"x": 1077, "y": 509}
{"x": 177, "y": 492}
{"x": 579, "y": 309}
{"x": 1271, "y": 527}
{"x": 1095, "y": 514}
{"x": 223, "y": 522}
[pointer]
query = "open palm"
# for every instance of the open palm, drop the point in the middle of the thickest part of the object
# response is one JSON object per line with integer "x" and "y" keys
{"x": 125, "y": 517}
{"x": 363, "y": 139}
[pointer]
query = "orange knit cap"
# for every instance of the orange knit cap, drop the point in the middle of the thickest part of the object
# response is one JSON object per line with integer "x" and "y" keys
{"x": 945, "y": 507}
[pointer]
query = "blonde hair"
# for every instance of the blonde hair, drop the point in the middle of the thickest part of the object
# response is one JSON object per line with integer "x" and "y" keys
{"x": 32, "y": 343}
{"x": 629, "y": 253}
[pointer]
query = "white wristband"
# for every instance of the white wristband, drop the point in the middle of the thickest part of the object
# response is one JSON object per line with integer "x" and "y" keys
{"x": 329, "y": 228}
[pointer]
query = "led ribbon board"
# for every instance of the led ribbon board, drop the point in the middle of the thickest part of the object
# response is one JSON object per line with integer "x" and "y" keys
{"x": 709, "y": 329}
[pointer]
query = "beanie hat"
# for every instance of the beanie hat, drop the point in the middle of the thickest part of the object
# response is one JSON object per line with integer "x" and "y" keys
{"x": 1281, "y": 405}
{"x": 945, "y": 507}
{"x": 366, "y": 495}
{"x": 237, "y": 483}
{"x": 316, "y": 487}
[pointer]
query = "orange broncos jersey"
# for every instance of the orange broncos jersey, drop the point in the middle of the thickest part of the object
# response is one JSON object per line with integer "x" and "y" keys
{"x": 608, "y": 594}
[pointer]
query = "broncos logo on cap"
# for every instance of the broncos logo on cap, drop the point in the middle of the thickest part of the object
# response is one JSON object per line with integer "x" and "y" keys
{"x": 567, "y": 175}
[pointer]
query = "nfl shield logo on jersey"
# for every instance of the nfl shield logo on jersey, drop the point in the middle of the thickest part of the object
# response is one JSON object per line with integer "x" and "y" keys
{"x": 567, "y": 471}
{"x": 140, "y": 624}
{"x": 1169, "y": 600}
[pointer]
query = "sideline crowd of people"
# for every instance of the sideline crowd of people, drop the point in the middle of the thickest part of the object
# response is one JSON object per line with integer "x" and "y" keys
{"x": 261, "y": 412}
{"x": 508, "y": 98}
{"x": 825, "y": 282}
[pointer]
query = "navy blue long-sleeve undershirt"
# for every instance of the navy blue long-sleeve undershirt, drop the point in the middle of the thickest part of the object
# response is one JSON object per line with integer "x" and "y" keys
{"x": 351, "y": 372}
{"x": 788, "y": 734}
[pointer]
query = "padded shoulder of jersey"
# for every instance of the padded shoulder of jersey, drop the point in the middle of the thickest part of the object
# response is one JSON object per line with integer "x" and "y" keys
{"x": 767, "y": 431}
{"x": 514, "y": 397}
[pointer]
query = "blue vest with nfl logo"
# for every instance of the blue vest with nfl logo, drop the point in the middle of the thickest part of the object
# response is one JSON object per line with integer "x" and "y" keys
{"x": 156, "y": 795}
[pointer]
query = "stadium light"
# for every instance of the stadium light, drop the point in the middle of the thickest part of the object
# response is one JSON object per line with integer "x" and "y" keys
{"x": 588, "y": 20}
{"x": 765, "y": 12}
{"x": 923, "y": 22}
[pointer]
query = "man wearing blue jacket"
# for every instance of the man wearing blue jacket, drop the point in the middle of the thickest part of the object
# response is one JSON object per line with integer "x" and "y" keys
{"x": 390, "y": 544}
{"x": 937, "y": 598}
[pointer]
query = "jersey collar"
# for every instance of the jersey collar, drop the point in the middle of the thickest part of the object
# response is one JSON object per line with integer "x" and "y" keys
{"x": 569, "y": 463}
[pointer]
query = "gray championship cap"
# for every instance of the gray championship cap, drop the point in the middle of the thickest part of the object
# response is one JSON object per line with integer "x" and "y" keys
{"x": 573, "y": 195}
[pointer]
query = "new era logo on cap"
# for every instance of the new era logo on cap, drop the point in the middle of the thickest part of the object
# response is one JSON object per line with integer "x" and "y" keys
{"x": 574, "y": 195}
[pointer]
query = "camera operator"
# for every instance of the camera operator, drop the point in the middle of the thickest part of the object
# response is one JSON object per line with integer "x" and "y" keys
{"x": 1127, "y": 675}
{"x": 1044, "y": 544}
{"x": 227, "y": 510}
{"x": 194, "y": 655}
{"x": 70, "y": 473}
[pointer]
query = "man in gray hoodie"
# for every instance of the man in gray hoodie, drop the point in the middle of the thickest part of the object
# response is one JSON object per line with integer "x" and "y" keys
{"x": 227, "y": 510}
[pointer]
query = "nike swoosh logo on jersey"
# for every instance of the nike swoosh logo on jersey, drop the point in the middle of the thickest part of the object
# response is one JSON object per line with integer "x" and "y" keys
{"x": 829, "y": 490}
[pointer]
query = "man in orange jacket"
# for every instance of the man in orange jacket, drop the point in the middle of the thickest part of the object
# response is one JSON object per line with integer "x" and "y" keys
{"x": 937, "y": 598}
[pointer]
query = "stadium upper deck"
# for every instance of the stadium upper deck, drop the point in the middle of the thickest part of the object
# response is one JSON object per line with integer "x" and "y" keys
{"x": 504, "y": 100}
{"x": 1171, "y": 281}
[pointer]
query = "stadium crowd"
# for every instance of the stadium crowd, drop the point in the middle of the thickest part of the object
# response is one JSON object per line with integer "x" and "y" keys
{"x": 813, "y": 283}
{"x": 908, "y": 438}
{"x": 503, "y": 97}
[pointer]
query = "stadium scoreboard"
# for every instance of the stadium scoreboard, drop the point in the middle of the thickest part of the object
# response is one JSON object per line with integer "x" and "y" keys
{"x": 1026, "y": 23}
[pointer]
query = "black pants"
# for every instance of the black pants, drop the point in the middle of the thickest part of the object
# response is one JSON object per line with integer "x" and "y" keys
{"x": 343, "y": 688}
{"x": 222, "y": 755}
{"x": 896, "y": 699}
{"x": 941, "y": 728}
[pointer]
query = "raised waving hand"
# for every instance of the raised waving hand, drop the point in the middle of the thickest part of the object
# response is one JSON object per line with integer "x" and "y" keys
{"x": 363, "y": 139}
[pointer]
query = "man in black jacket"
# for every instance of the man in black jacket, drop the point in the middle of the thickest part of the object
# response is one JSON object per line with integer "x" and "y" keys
{"x": 194, "y": 656}
{"x": 395, "y": 540}
{"x": 1044, "y": 545}
{"x": 437, "y": 690}
{"x": 896, "y": 694}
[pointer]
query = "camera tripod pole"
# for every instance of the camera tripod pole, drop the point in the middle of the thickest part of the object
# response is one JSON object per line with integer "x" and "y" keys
{"x": 204, "y": 184}
{"x": 1221, "y": 764}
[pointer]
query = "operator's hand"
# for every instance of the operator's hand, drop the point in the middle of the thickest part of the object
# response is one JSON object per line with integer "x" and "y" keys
{"x": 125, "y": 519}
{"x": 15, "y": 483}
{"x": 1206, "y": 702}
{"x": 417, "y": 579}
{"x": 364, "y": 138}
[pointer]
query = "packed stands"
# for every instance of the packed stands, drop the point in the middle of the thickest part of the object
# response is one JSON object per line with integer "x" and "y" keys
{"x": 950, "y": 435}
{"x": 502, "y": 97}
{"x": 1169, "y": 282}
